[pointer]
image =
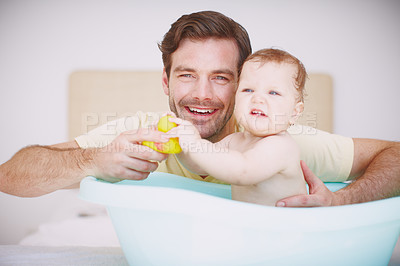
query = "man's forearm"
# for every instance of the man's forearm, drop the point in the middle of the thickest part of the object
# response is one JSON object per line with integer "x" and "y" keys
{"x": 38, "y": 170}
{"x": 379, "y": 179}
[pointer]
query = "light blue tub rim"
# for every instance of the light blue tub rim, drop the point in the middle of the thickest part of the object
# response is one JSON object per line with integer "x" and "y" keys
{"x": 170, "y": 193}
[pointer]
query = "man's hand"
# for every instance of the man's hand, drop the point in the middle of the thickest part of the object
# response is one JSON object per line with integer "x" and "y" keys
{"x": 37, "y": 170}
{"x": 319, "y": 194}
{"x": 126, "y": 158}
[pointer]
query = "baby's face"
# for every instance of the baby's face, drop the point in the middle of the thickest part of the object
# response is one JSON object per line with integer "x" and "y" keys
{"x": 266, "y": 98}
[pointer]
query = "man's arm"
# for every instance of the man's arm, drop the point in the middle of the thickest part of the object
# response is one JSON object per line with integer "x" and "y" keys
{"x": 38, "y": 170}
{"x": 377, "y": 165}
{"x": 377, "y": 170}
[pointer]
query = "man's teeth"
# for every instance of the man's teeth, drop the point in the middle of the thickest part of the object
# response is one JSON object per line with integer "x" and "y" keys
{"x": 201, "y": 111}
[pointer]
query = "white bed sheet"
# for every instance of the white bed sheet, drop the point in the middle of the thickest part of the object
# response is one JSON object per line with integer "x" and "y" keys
{"x": 11, "y": 255}
{"x": 96, "y": 231}
{"x": 75, "y": 223}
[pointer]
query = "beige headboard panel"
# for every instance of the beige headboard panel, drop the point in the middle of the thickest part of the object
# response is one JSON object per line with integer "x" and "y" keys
{"x": 96, "y": 97}
{"x": 318, "y": 102}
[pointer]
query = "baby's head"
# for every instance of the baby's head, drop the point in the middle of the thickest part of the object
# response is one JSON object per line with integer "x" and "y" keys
{"x": 270, "y": 93}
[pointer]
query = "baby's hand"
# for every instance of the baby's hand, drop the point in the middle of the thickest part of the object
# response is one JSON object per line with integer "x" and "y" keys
{"x": 172, "y": 145}
{"x": 185, "y": 131}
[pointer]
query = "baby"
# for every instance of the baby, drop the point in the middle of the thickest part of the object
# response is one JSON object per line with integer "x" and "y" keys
{"x": 262, "y": 163}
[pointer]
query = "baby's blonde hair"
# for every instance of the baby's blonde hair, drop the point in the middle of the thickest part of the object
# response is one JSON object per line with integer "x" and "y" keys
{"x": 279, "y": 56}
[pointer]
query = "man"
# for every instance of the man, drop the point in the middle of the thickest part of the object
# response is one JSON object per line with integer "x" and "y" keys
{"x": 202, "y": 56}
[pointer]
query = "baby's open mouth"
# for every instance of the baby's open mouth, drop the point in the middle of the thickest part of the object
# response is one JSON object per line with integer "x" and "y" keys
{"x": 257, "y": 113}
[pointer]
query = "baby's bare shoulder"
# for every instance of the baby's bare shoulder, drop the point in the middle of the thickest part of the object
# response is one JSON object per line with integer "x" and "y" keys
{"x": 284, "y": 141}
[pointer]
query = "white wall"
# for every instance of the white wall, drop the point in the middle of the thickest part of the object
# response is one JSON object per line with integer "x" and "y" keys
{"x": 43, "y": 41}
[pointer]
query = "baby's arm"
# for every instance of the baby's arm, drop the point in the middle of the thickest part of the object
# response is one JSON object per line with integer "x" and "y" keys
{"x": 191, "y": 142}
{"x": 265, "y": 159}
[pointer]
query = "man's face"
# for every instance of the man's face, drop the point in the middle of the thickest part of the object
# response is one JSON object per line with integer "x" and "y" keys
{"x": 202, "y": 84}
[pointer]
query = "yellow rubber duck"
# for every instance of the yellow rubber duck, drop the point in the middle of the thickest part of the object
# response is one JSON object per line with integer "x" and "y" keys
{"x": 170, "y": 147}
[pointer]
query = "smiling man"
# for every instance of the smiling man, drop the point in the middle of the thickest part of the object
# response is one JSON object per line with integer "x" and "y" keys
{"x": 202, "y": 55}
{"x": 202, "y": 84}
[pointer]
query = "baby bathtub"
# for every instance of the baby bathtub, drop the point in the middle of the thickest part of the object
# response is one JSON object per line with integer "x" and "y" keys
{"x": 171, "y": 220}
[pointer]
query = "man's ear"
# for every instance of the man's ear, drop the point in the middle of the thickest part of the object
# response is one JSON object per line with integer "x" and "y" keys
{"x": 164, "y": 81}
{"x": 298, "y": 110}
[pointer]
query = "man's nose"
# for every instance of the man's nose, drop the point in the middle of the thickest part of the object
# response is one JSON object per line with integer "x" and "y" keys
{"x": 203, "y": 90}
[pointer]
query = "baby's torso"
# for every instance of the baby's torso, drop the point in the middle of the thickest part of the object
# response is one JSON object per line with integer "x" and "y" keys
{"x": 288, "y": 182}
{"x": 271, "y": 190}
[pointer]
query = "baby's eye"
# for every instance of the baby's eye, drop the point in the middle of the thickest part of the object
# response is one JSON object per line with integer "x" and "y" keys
{"x": 274, "y": 93}
{"x": 247, "y": 90}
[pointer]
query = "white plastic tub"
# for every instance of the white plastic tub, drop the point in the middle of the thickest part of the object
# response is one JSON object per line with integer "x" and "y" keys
{"x": 171, "y": 220}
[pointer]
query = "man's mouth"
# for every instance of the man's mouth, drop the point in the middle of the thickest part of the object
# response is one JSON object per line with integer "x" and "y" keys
{"x": 200, "y": 111}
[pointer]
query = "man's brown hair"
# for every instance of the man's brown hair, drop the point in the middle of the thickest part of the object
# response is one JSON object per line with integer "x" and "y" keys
{"x": 203, "y": 25}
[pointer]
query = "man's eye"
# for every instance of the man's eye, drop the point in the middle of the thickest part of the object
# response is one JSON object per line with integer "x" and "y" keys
{"x": 221, "y": 80}
{"x": 186, "y": 75}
